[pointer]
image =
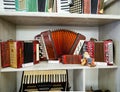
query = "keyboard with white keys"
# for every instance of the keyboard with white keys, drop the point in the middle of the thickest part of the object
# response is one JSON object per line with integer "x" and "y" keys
{"x": 44, "y": 80}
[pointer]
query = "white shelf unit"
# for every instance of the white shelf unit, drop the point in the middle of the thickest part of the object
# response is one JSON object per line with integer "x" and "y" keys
{"x": 81, "y": 77}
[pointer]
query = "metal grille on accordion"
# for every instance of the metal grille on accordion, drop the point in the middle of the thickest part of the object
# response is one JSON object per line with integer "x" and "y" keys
{"x": 76, "y": 6}
{"x": 44, "y": 80}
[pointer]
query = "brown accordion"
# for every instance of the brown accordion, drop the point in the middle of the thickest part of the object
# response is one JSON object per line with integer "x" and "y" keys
{"x": 54, "y": 44}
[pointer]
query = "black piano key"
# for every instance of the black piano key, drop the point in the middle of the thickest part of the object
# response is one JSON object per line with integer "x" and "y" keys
{"x": 30, "y": 80}
{"x": 43, "y": 79}
{"x": 55, "y": 78}
{"x": 63, "y": 77}
{"x": 40, "y": 78}
{"x": 58, "y": 77}
{"x": 24, "y": 79}
{"x": 34, "y": 79}
{"x": 48, "y": 78}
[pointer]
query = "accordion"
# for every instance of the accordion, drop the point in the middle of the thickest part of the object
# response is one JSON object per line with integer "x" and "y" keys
{"x": 44, "y": 80}
{"x": 54, "y": 44}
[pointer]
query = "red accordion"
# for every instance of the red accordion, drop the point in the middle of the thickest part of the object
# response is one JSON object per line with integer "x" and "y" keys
{"x": 55, "y": 44}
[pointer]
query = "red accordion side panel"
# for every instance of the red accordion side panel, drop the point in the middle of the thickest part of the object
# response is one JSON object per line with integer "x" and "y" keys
{"x": 5, "y": 54}
{"x": 74, "y": 45}
{"x": 71, "y": 59}
{"x": 108, "y": 52}
{"x": 49, "y": 46}
{"x": 87, "y": 6}
{"x": 91, "y": 48}
{"x": 20, "y": 57}
{"x": 35, "y": 51}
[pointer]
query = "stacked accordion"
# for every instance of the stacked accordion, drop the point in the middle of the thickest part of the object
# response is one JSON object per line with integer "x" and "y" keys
{"x": 46, "y": 80}
{"x": 55, "y": 44}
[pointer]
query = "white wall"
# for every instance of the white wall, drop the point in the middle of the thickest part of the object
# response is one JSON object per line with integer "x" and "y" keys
{"x": 114, "y": 8}
{"x": 112, "y": 31}
{"x": 1, "y": 5}
{"x": 28, "y": 32}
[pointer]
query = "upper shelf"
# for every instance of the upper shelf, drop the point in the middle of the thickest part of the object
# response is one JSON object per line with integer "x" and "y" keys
{"x": 42, "y": 18}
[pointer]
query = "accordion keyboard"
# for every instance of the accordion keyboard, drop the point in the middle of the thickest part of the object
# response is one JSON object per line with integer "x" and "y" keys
{"x": 45, "y": 80}
{"x": 44, "y": 76}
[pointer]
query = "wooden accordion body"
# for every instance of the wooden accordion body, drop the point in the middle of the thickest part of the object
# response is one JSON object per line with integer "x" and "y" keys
{"x": 59, "y": 42}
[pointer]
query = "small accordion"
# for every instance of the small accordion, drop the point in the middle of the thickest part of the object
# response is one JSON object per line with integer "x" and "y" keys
{"x": 55, "y": 44}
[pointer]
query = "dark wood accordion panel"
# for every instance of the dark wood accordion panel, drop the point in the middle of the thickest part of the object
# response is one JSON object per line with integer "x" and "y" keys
{"x": 59, "y": 42}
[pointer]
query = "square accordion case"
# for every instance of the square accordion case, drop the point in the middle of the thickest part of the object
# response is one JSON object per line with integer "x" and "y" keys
{"x": 55, "y": 44}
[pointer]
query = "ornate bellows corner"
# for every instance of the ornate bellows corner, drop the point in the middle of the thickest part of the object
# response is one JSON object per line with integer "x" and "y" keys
{"x": 55, "y": 44}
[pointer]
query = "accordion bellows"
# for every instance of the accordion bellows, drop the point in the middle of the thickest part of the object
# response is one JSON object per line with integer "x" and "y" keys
{"x": 58, "y": 42}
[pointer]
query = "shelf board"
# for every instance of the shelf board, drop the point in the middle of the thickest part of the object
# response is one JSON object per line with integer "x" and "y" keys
{"x": 48, "y": 66}
{"x": 67, "y": 19}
